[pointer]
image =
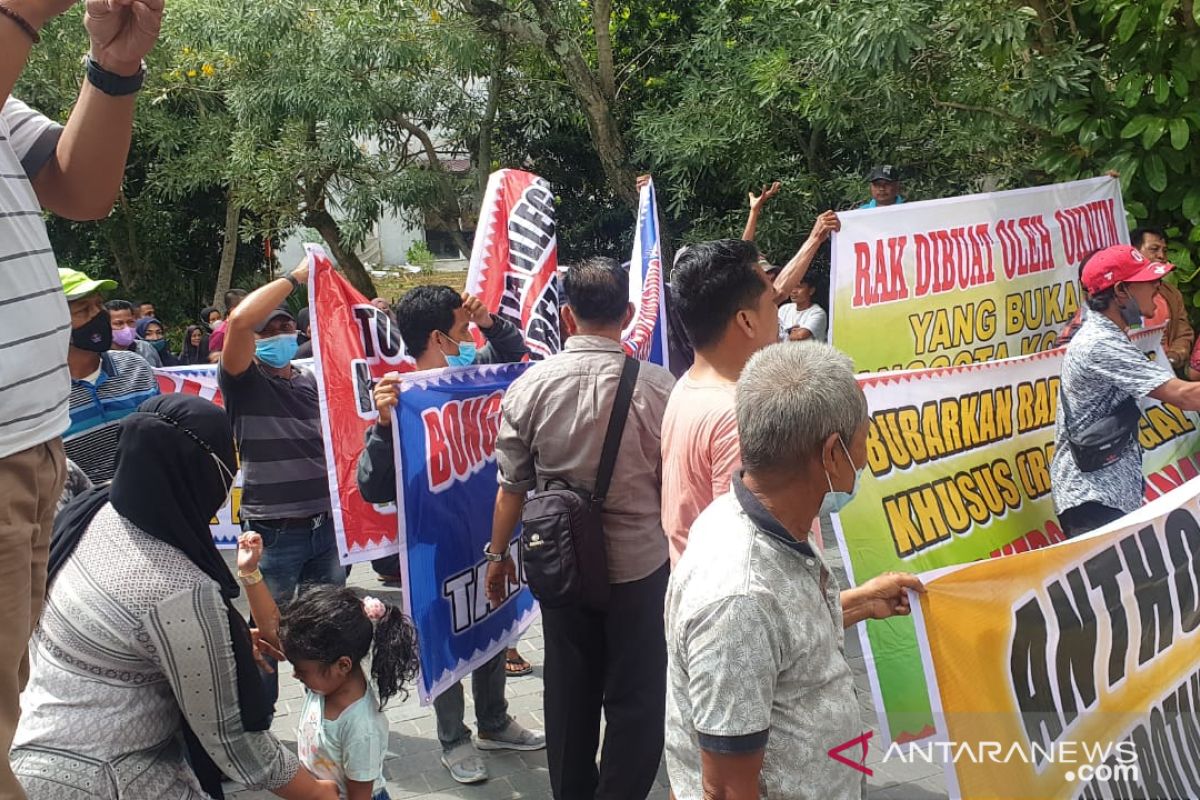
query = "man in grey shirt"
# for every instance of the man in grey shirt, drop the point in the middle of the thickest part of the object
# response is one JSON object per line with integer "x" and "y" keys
{"x": 553, "y": 421}
{"x": 1102, "y": 371}
{"x": 759, "y": 686}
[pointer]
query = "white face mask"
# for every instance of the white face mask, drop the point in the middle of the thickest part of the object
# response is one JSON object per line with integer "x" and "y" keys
{"x": 227, "y": 478}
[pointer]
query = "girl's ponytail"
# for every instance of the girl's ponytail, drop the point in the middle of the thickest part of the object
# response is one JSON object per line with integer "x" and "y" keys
{"x": 394, "y": 650}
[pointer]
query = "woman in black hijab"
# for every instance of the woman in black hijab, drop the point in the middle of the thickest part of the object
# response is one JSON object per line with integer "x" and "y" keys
{"x": 195, "y": 346}
{"x": 139, "y": 643}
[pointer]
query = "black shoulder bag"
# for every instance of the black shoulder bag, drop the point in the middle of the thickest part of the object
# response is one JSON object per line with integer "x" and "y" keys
{"x": 566, "y": 563}
{"x": 1101, "y": 444}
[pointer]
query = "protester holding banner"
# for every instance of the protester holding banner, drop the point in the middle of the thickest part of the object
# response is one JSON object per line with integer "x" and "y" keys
{"x": 435, "y": 326}
{"x": 1171, "y": 310}
{"x": 759, "y": 686}
{"x": 433, "y": 319}
{"x": 106, "y": 385}
{"x": 728, "y": 307}
{"x": 884, "y": 182}
{"x": 553, "y": 426}
{"x": 277, "y": 421}
{"x": 1096, "y": 474}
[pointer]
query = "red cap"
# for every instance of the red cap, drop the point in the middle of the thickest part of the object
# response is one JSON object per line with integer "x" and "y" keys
{"x": 1121, "y": 264}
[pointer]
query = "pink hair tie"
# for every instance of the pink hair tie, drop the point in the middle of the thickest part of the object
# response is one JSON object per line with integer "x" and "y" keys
{"x": 374, "y": 609}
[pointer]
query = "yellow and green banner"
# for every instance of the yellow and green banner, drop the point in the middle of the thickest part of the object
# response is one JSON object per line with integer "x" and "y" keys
{"x": 961, "y": 280}
{"x": 958, "y": 471}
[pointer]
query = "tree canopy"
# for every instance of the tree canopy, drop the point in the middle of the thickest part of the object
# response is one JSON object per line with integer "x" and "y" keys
{"x": 261, "y": 119}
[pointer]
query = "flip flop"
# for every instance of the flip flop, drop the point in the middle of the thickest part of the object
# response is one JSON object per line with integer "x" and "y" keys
{"x": 515, "y": 666}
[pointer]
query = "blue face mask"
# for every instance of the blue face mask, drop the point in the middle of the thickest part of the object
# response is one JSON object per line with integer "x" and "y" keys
{"x": 466, "y": 354}
{"x": 276, "y": 351}
{"x": 836, "y": 500}
{"x": 159, "y": 344}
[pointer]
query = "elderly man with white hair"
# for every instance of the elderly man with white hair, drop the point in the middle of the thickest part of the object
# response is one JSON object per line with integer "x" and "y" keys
{"x": 759, "y": 689}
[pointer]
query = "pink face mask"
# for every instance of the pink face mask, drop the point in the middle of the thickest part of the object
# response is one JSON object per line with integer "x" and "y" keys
{"x": 124, "y": 336}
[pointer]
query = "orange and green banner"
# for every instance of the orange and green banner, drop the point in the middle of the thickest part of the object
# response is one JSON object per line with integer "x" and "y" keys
{"x": 1071, "y": 671}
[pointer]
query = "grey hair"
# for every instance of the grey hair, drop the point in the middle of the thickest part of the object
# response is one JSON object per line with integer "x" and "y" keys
{"x": 791, "y": 398}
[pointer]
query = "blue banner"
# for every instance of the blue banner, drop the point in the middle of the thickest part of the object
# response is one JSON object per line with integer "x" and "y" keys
{"x": 446, "y": 490}
{"x": 646, "y": 336}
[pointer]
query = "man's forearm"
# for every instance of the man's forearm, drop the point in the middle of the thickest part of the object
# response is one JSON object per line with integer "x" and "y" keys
{"x": 751, "y": 225}
{"x": 84, "y": 177}
{"x": 15, "y": 43}
{"x": 504, "y": 521}
{"x": 794, "y": 270}
{"x": 854, "y": 609}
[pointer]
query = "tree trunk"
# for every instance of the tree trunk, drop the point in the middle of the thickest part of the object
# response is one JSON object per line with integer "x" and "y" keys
{"x": 121, "y": 232}
{"x": 602, "y": 23}
{"x": 483, "y": 164}
{"x": 547, "y": 34}
{"x": 233, "y": 215}
{"x": 346, "y": 258}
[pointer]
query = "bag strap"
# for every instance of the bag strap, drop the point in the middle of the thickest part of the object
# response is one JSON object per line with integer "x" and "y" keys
{"x": 616, "y": 427}
{"x": 1062, "y": 396}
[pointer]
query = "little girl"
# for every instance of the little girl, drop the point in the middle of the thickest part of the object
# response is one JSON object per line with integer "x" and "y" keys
{"x": 343, "y": 734}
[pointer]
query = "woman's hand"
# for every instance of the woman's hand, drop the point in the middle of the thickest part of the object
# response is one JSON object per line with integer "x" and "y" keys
{"x": 262, "y": 648}
{"x": 250, "y": 548}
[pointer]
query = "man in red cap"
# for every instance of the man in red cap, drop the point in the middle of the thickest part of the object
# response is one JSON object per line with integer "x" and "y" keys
{"x": 1104, "y": 374}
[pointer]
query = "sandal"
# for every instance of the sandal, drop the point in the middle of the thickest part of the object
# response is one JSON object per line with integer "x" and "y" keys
{"x": 514, "y": 665}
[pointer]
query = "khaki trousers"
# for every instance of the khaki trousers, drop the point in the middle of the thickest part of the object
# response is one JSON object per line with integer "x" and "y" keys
{"x": 30, "y": 484}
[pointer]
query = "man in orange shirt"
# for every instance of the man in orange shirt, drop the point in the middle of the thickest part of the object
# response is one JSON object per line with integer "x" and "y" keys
{"x": 727, "y": 304}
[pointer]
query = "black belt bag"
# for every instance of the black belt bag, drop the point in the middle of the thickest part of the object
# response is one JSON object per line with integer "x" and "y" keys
{"x": 1101, "y": 444}
{"x": 564, "y": 553}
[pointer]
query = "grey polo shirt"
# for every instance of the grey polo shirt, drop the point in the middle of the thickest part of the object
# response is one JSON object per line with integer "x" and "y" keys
{"x": 1101, "y": 369}
{"x": 552, "y": 424}
{"x": 756, "y": 657}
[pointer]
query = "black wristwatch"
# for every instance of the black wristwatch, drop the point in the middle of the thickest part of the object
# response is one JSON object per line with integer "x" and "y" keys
{"x": 488, "y": 555}
{"x": 112, "y": 84}
{"x": 292, "y": 280}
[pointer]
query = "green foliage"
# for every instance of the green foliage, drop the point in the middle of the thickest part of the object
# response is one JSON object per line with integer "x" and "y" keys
{"x": 319, "y": 114}
{"x": 419, "y": 255}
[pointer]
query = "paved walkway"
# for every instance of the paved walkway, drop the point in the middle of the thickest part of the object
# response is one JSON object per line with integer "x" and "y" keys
{"x": 414, "y": 771}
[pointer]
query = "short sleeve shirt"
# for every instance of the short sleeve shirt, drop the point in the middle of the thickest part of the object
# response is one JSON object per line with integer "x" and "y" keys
{"x": 813, "y": 319}
{"x": 700, "y": 451}
{"x": 35, "y": 324}
{"x": 277, "y": 425}
{"x": 351, "y": 747}
{"x": 756, "y": 657}
{"x": 1101, "y": 369}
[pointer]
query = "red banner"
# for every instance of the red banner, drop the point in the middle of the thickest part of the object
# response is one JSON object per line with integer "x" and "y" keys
{"x": 514, "y": 261}
{"x": 354, "y": 344}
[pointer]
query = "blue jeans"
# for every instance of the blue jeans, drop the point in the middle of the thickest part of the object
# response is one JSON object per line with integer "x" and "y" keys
{"x": 293, "y": 557}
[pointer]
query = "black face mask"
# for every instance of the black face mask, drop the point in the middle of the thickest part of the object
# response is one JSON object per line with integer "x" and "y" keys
{"x": 95, "y": 336}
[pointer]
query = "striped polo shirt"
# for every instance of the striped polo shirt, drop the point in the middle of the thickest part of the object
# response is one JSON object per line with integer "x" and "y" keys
{"x": 34, "y": 322}
{"x": 277, "y": 425}
{"x": 124, "y": 383}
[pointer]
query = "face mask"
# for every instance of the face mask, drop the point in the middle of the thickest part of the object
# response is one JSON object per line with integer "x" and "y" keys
{"x": 836, "y": 500}
{"x": 124, "y": 337}
{"x": 159, "y": 344}
{"x": 466, "y": 354}
{"x": 96, "y": 336}
{"x": 277, "y": 351}
{"x": 226, "y": 479}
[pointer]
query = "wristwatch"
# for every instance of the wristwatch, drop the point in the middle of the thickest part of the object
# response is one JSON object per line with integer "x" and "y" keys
{"x": 494, "y": 557}
{"x": 112, "y": 84}
{"x": 292, "y": 280}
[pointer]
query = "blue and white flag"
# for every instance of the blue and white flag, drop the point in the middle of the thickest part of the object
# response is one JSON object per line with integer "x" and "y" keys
{"x": 445, "y": 440}
{"x": 646, "y": 336}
